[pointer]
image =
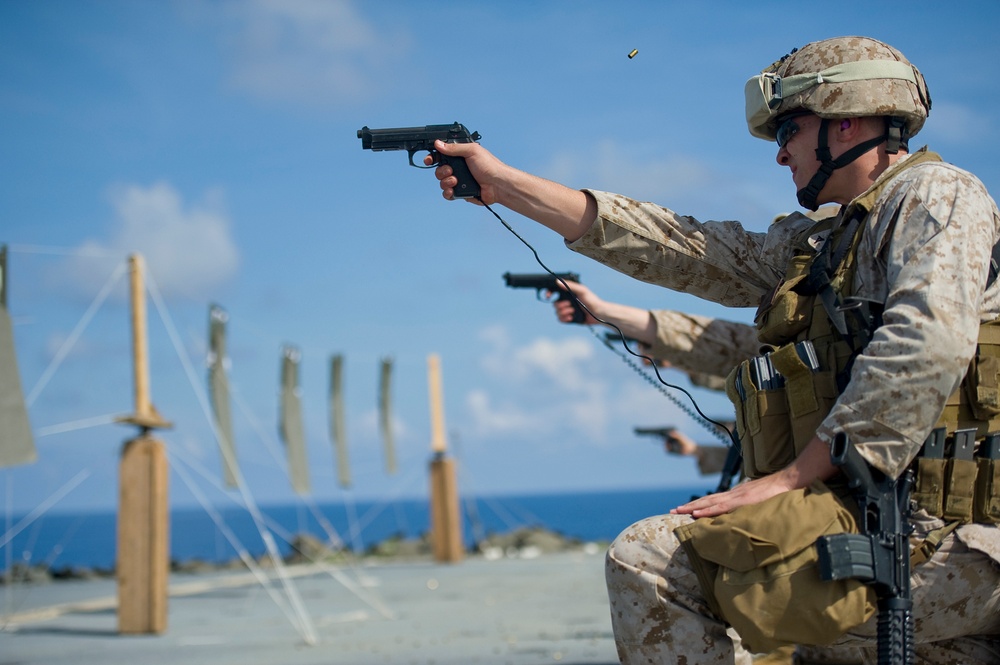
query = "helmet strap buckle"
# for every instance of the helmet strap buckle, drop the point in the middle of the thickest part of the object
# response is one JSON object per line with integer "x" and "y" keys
{"x": 895, "y": 135}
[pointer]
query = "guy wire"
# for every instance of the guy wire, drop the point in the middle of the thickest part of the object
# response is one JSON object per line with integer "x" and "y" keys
{"x": 652, "y": 363}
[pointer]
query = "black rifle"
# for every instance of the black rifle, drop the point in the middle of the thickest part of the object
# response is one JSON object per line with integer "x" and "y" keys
{"x": 549, "y": 282}
{"x": 880, "y": 555}
{"x": 421, "y": 139}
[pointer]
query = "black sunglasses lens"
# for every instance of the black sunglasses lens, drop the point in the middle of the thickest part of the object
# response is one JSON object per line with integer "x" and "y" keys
{"x": 786, "y": 130}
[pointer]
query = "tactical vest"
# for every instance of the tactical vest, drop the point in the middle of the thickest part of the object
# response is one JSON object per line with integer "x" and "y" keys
{"x": 812, "y": 330}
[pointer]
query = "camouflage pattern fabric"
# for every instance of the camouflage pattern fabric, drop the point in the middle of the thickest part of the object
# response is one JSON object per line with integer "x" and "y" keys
{"x": 659, "y": 613}
{"x": 948, "y": 223}
{"x": 702, "y": 344}
{"x": 711, "y": 459}
{"x": 708, "y": 348}
{"x": 850, "y": 99}
{"x": 930, "y": 268}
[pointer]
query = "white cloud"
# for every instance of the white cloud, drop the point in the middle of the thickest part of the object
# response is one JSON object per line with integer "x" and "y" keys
{"x": 570, "y": 390}
{"x": 546, "y": 386}
{"x": 313, "y": 52}
{"x": 558, "y": 361}
{"x": 492, "y": 419}
{"x": 562, "y": 363}
{"x": 188, "y": 250}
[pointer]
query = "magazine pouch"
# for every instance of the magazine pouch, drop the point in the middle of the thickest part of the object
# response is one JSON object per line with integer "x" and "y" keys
{"x": 928, "y": 492}
{"x": 777, "y": 417}
{"x": 809, "y": 391}
{"x": 762, "y": 577}
{"x": 761, "y": 423}
{"x": 959, "y": 489}
{"x": 976, "y": 403}
{"x": 986, "y": 506}
{"x": 982, "y": 381}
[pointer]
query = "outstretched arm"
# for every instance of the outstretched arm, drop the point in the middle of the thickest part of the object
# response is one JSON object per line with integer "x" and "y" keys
{"x": 568, "y": 212}
{"x": 633, "y": 322}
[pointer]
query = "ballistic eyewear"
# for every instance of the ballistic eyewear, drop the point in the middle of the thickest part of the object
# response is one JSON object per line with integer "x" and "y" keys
{"x": 787, "y": 128}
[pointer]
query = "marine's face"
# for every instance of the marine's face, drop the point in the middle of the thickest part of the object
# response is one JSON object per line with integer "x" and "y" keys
{"x": 798, "y": 134}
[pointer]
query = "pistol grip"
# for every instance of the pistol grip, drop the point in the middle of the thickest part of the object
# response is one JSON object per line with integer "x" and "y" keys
{"x": 579, "y": 316}
{"x": 467, "y": 187}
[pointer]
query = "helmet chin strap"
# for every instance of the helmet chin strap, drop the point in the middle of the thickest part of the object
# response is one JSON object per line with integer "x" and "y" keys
{"x": 808, "y": 195}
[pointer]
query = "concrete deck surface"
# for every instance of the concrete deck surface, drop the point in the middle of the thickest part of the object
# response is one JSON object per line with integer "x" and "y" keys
{"x": 515, "y": 611}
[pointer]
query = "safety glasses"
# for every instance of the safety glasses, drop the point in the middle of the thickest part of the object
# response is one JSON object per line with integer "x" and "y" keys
{"x": 787, "y": 128}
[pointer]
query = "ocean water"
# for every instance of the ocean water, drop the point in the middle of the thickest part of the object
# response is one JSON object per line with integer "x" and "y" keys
{"x": 87, "y": 540}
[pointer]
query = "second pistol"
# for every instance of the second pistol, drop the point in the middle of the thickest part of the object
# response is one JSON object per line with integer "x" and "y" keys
{"x": 553, "y": 283}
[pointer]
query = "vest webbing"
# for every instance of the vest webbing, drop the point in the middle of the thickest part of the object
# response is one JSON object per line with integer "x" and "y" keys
{"x": 839, "y": 339}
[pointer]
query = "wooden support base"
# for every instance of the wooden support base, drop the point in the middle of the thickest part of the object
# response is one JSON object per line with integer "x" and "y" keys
{"x": 143, "y": 538}
{"x": 446, "y": 518}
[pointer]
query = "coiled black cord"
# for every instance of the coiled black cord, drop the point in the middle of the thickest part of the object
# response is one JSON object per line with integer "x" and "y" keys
{"x": 722, "y": 428}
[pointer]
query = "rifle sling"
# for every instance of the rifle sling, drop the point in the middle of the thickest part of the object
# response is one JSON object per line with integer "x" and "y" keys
{"x": 931, "y": 544}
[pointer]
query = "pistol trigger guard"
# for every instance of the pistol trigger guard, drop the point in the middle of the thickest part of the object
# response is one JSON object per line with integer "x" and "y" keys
{"x": 539, "y": 297}
{"x": 411, "y": 152}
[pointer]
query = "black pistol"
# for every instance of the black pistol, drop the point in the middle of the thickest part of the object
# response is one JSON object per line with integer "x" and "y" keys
{"x": 654, "y": 431}
{"x": 665, "y": 433}
{"x": 548, "y": 282}
{"x": 612, "y": 337}
{"x": 421, "y": 139}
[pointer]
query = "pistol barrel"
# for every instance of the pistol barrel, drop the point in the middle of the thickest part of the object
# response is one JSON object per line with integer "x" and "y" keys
{"x": 539, "y": 280}
{"x": 414, "y": 138}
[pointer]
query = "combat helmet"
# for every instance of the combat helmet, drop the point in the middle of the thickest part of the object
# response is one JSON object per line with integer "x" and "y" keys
{"x": 843, "y": 77}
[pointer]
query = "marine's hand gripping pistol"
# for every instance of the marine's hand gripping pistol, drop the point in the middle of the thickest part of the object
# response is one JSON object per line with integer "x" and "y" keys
{"x": 421, "y": 139}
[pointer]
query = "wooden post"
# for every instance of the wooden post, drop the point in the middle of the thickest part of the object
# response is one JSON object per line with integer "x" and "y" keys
{"x": 140, "y": 343}
{"x": 446, "y": 519}
{"x": 143, "y": 518}
{"x": 143, "y": 537}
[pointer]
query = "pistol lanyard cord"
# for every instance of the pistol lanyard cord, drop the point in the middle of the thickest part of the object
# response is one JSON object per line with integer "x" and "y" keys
{"x": 652, "y": 363}
{"x": 711, "y": 426}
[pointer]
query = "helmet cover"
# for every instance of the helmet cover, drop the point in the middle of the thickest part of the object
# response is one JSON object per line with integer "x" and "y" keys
{"x": 843, "y": 77}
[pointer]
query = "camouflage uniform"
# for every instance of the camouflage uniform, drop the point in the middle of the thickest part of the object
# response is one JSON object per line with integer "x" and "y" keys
{"x": 701, "y": 344}
{"x": 930, "y": 268}
{"x": 711, "y": 459}
{"x": 707, "y": 348}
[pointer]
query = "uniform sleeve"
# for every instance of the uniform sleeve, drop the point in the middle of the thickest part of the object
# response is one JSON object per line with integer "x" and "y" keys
{"x": 708, "y": 381}
{"x": 717, "y": 261}
{"x": 702, "y": 344}
{"x": 711, "y": 459}
{"x": 931, "y": 271}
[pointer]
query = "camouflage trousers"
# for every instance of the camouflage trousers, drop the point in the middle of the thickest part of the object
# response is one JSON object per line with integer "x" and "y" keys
{"x": 659, "y": 613}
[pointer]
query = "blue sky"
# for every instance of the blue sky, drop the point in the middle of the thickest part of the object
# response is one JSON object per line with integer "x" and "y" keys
{"x": 219, "y": 140}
